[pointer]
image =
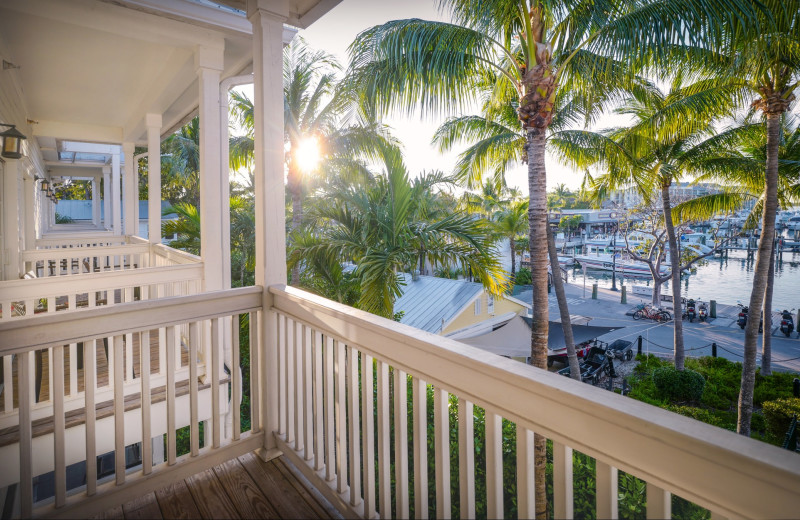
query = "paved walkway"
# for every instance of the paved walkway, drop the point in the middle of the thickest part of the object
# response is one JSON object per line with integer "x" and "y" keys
{"x": 657, "y": 338}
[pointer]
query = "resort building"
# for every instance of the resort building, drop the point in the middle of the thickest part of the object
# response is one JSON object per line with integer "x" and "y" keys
{"x": 116, "y": 347}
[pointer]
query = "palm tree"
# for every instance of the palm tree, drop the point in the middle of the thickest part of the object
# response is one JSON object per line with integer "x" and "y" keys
{"x": 382, "y": 228}
{"x": 316, "y": 114}
{"x": 651, "y": 154}
{"x": 510, "y": 223}
{"x": 186, "y": 226}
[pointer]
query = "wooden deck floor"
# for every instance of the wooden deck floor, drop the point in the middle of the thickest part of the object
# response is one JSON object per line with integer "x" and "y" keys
{"x": 245, "y": 487}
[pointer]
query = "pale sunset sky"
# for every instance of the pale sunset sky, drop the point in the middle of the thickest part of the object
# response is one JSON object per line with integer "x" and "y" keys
{"x": 336, "y": 30}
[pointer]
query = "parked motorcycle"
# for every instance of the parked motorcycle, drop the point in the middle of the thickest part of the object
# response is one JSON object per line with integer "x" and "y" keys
{"x": 691, "y": 311}
{"x": 742, "y": 319}
{"x": 787, "y": 323}
{"x": 703, "y": 312}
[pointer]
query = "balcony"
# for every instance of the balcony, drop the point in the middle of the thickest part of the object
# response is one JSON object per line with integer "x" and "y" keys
{"x": 343, "y": 396}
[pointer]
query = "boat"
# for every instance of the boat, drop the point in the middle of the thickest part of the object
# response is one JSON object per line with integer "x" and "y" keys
{"x": 623, "y": 264}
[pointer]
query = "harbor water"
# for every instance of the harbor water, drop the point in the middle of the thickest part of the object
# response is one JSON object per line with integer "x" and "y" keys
{"x": 727, "y": 280}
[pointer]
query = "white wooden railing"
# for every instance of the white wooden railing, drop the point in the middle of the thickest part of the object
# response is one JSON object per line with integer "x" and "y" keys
{"x": 137, "y": 403}
{"x": 44, "y": 263}
{"x": 336, "y": 429}
{"x": 93, "y": 239}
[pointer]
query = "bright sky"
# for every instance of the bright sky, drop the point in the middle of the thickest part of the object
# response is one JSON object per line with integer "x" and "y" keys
{"x": 336, "y": 30}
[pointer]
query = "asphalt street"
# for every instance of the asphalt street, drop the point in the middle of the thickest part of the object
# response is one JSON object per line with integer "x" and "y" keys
{"x": 657, "y": 338}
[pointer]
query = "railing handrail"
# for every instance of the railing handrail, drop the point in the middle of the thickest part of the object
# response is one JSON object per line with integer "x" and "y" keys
{"x": 61, "y": 328}
{"x": 710, "y": 466}
{"x": 22, "y": 289}
{"x": 31, "y": 255}
{"x": 175, "y": 255}
{"x": 81, "y": 238}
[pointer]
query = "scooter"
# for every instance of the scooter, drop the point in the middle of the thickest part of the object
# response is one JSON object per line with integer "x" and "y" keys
{"x": 742, "y": 319}
{"x": 691, "y": 313}
{"x": 787, "y": 323}
{"x": 703, "y": 312}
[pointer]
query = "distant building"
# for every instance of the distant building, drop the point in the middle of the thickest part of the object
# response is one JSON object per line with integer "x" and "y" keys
{"x": 679, "y": 191}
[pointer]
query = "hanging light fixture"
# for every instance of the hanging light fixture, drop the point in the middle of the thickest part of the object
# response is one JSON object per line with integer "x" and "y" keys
{"x": 12, "y": 142}
{"x": 45, "y": 185}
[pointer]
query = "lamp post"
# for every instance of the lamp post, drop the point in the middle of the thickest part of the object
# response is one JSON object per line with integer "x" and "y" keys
{"x": 614, "y": 252}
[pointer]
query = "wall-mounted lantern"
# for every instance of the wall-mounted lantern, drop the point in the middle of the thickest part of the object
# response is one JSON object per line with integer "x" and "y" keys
{"x": 12, "y": 142}
{"x": 45, "y": 185}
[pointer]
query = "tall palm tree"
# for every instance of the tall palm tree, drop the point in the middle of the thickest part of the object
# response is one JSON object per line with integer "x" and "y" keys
{"x": 539, "y": 50}
{"x": 510, "y": 223}
{"x": 651, "y": 154}
{"x": 381, "y": 227}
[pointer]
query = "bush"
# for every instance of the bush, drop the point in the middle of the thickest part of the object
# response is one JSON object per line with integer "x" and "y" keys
{"x": 678, "y": 386}
{"x": 778, "y": 415}
{"x": 63, "y": 219}
{"x": 523, "y": 276}
{"x": 699, "y": 414}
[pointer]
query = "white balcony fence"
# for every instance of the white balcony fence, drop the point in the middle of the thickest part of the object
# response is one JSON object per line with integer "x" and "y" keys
{"x": 346, "y": 396}
{"x": 124, "y": 400}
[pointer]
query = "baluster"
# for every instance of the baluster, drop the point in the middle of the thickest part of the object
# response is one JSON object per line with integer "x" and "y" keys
{"x": 341, "y": 407}
{"x": 73, "y": 369}
{"x": 216, "y": 368}
{"x": 236, "y": 378}
{"x": 51, "y": 304}
{"x": 50, "y": 378}
{"x": 526, "y": 497}
{"x": 308, "y": 374}
{"x": 420, "y": 397}
{"x": 144, "y": 368}
{"x": 384, "y": 437}
{"x": 331, "y": 467}
{"x": 119, "y": 413}
{"x": 24, "y": 365}
{"x": 8, "y": 389}
{"x": 110, "y": 357}
{"x": 319, "y": 416}
{"x": 353, "y": 426}
{"x": 283, "y": 350}
{"x": 89, "y": 389}
{"x": 299, "y": 384}
{"x": 172, "y": 333}
{"x": 494, "y": 465}
{"x": 441, "y": 426}
{"x": 194, "y": 427}
{"x": 562, "y": 481}
{"x": 129, "y": 368}
{"x": 607, "y": 484}
{"x": 57, "y": 392}
{"x": 291, "y": 348}
{"x": 466, "y": 459}
{"x": 72, "y": 304}
{"x": 30, "y": 307}
{"x": 368, "y": 433}
{"x": 255, "y": 377}
{"x": 659, "y": 502}
{"x": 401, "y": 442}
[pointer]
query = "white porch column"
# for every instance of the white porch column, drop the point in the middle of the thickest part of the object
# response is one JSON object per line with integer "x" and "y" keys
{"x": 129, "y": 182}
{"x": 153, "y": 123}
{"x": 267, "y": 17}
{"x": 116, "y": 200}
{"x": 107, "y": 223}
{"x": 213, "y": 203}
{"x": 30, "y": 213}
{"x": 96, "y": 202}
{"x": 12, "y": 172}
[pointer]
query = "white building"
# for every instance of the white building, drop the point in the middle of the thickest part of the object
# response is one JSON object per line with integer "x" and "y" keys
{"x": 679, "y": 191}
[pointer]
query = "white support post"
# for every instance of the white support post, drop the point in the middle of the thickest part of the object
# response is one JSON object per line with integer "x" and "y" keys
{"x": 30, "y": 213}
{"x": 267, "y": 18}
{"x": 129, "y": 191}
{"x": 116, "y": 199}
{"x": 153, "y": 123}
{"x": 11, "y": 219}
{"x": 209, "y": 63}
{"x": 107, "y": 223}
{"x": 96, "y": 202}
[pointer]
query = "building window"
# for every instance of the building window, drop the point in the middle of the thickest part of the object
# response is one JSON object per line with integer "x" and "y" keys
{"x": 490, "y": 304}
{"x": 477, "y": 307}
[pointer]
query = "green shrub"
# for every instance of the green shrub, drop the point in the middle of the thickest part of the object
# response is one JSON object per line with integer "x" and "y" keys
{"x": 678, "y": 385}
{"x": 63, "y": 219}
{"x": 523, "y": 276}
{"x": 700, "y": 414}
{"x": 778, "y": 415}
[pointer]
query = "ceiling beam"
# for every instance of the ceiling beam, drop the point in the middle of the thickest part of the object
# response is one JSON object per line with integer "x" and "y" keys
{"x": 78, "y": 132}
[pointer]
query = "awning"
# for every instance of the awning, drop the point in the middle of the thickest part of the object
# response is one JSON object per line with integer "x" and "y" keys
{"x": 514, "y": 338}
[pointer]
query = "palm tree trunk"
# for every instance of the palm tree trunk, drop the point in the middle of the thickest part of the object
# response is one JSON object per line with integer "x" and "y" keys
{"x": 675, "y": 262}
{"x": 766, "y": 340}
{"x": 563, "y": 309}
{"x": 513, "y": 259}
{"x": 537, "y": 221}
{"x": 760, "y": 274}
